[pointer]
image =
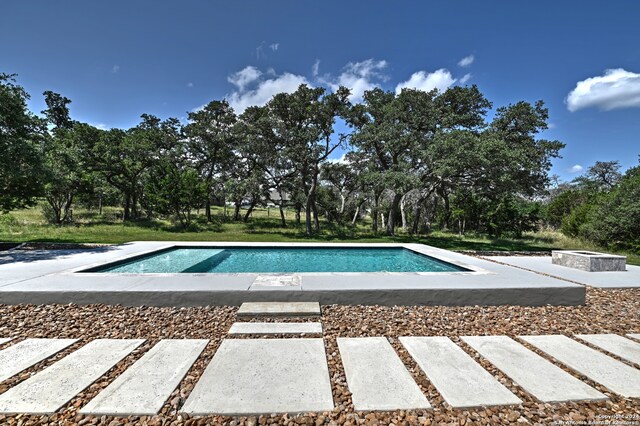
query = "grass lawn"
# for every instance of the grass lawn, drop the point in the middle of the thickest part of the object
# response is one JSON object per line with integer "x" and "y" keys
{"x": 28, "y": 225}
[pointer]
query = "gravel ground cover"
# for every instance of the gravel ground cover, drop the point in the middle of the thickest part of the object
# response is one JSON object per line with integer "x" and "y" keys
{"x": 606, "y": 311}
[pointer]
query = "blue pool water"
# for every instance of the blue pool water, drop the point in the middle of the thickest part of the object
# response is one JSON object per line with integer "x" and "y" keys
{"x": 279, "y": 259}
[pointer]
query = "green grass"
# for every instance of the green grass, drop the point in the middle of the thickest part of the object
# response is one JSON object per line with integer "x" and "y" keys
{"x": 28, "y": 225}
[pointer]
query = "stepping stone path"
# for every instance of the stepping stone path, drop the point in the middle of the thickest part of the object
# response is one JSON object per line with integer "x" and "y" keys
{"x": 24, "y": 354}
{"x": 617, "y": 345}
{"x": 47, "y": 391}
{"x": 288, "y": 309}
{"x": 147, "y": 384}
{"x": 253, "y": 376}
{"x": 540, "y": 378}
{"x": 377, "y": 378}
{"x": 600, "y": 368}
{"x": 264, "y": 376}
{"x": 460, "y": 380}
{"x": 263, "y": 328}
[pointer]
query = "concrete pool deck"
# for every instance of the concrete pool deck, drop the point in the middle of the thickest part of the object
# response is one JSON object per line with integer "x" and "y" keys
{"x": 602, "y": 279}
{"x": 55, "y": 276}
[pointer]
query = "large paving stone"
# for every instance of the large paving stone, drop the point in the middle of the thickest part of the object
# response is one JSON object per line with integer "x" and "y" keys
{"x": 295, "y": 309}
{"x": 50, "y": 389}
{"x": 460, "y": 380}
{"x": 24, "y": 354}
{"x": 145, "y": 386}
{"x": 617, "y": 345}
{"x": 613, "y": 374}
{"x": 530, "y": 371}
{"x": 4, "y": 340}
{"x": 377, "y": 379}
{"x": 634, "y": 336}
{"x": 276, "y": 328}
{"x": 263, "y": 376}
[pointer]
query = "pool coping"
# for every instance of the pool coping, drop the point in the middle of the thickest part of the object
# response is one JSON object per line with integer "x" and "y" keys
{"x": 488, "y": 283}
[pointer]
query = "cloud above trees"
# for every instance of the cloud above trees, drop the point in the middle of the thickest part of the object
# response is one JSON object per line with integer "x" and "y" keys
{"x": 255, "y": 87}
{"x": 359, "y": 77}
{"x": 440, "y": 79}
{"x": 466, "y": 61}
{"x": 617, "y": 88}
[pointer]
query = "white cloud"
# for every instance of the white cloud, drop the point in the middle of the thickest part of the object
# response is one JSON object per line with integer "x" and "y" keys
{"x": 617, "y": 88}
{"x": 274, "y": 46}
{"x": 101, "y": 126}
{"x": 576, "y": 169}
{"x": 189, "y": 84}
{"x": 315, "y": 68}
{"x": 359, "y": 77}
{"x": 465, "y": 78}
{"x": 440, "y": 79}
{"x": 263, "y": 89}
{"x": 340, "y": 160}
{"x": 245, "y": 76}
{"x": 115, "y": 68}
{"x": 466, "y": 61}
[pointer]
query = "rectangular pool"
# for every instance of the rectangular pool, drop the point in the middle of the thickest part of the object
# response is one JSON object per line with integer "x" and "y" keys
{"x": 279, "y": 260}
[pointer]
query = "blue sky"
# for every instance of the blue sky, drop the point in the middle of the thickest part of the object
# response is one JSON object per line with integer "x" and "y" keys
{"x": 119, "y": 59}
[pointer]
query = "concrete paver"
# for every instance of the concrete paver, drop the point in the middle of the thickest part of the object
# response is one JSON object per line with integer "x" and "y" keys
{"x": 377, "y": 378}
{"x": 4, "y": 340}
{"x": 460, "y": 380}
{"x": 145, "y": 386}
{"x": 617, "y": 345}
{"x": 530, "y": 371}
{"x": 24, "y": 354}
{"x": 252, "y": 309}
{"x": 634, "y": 336}
{"x": 615, "y": 375}
{"x": 50, "y": 389}
{"x": 257, "y": 376}
{"x": 276, "y": 328}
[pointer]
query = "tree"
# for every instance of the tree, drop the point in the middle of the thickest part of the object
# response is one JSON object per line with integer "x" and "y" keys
{"x": 303, "y": 128}
{"x": 21, "y": 135}
{"x": 124, "y": 157}
{"x": 64, "y": 148}
{"x": 603, "y": 175}
{"x": 175, "y": 188}
{"x": 211, "y": 140}
{"x": 57, "y": 111}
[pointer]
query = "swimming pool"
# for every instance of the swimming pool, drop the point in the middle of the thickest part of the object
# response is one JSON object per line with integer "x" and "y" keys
{"x": 279, "y": 260}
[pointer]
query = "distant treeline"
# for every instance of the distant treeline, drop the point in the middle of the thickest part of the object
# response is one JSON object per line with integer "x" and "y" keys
{"x": 414, "y": 160}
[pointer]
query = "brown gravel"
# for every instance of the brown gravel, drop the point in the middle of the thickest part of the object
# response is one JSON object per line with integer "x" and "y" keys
{"x": 606, "y": 311}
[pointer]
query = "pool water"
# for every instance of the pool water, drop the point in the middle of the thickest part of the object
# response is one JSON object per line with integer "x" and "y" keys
{"x": 281, "y": 260}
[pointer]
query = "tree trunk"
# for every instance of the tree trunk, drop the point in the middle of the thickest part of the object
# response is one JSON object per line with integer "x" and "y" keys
{"x": 307, "y": 216}
{"x": 236, "y": 212}
{"x": 447, "y": 210}
{"x": 403, "y": 215}
{"x": 127, "y": 207}
{"x": 298, "y": 209}
{"x": 416, "y": 219}
{"x": 391, "y": 224}
{"x": 355, "y": 216}
{"x": 282, "y": 218}
{"x": 248, "y": 213}
{"x": 207, "y": 209}
{"x": 316, "y": 221}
